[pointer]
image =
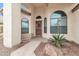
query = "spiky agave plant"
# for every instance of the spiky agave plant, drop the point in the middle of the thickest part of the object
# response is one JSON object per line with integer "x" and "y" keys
{"x": 58, "y": 40}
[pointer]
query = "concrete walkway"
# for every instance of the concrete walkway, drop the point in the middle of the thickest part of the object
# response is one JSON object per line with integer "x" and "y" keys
{"x": 28, "y": 49}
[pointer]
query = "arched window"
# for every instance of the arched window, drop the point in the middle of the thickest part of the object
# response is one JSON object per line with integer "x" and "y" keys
{"x": 25, "y": 25}
{"x": 45, "y": 25}
{"x": 58, "y": 22}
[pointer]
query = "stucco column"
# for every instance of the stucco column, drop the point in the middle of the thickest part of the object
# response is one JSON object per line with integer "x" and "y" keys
{"x": 12, "y": 24}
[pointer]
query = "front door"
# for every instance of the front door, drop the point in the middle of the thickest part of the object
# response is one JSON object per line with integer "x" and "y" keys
{"x": 38, "y": 28}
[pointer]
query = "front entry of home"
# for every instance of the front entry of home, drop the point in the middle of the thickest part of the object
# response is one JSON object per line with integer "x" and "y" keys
{"x": 38, "y": 28}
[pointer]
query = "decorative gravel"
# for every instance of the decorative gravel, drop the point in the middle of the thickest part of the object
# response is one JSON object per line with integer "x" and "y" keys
{"x": 68, "y": 49}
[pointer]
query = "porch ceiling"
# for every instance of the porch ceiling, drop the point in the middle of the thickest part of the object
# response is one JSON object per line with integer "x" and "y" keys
{"x": 39, "y": 4}
{"x": 47, "y": 4}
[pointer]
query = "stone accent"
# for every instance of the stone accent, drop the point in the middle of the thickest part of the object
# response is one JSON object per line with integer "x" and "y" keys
{"x": 25, "y": 37}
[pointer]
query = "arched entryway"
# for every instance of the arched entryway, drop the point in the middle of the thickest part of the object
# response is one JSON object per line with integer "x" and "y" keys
{"x": 38, "y": 26}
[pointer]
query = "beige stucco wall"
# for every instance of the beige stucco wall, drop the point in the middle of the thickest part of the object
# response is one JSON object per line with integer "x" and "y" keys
{"x": 40, "y": 12}
{"x": 26, "y": 36}
{"x": 16, "y": 28}
{"x": 47, "y": 11}
{"x": 31, "y": 24}
{"x": 75, "y": 24}
{"x": 72, "y": 20}
{"x": 11, "y": 24}
{"x": 52, "y": 8}
{"x": 7, "y": 26}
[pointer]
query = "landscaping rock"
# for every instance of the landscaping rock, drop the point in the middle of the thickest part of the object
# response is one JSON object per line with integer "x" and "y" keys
{"x": 39, "y": 51}
{"x": 45, "y": 49}
{"x": 58, "y": 51}
{"x": 50, "y": 50}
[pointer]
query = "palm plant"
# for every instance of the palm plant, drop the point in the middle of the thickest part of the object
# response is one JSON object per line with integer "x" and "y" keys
{"x": 58, "y": 40}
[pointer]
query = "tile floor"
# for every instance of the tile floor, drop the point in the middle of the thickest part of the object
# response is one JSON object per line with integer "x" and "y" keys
{"x": 28, "y": 49}
{"x": 4, "y": 51}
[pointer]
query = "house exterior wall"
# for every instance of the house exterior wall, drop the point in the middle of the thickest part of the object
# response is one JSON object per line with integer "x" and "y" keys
{"x": 26, "y": 35}
{"x": 16, "y": 28}
{"x": 72, "y": 20}
{"x": 75, "y": 24}
{"x": 51, "y": 9}
{"x": 47, "y": 11}
{"x": 12, "y": 24}
{"x": 7, "y": 34}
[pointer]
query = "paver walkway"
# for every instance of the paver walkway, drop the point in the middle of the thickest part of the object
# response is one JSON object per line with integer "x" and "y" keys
{"x": 28, "y": 49}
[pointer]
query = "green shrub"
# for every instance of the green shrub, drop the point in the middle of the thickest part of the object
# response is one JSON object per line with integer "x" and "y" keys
{"x": 58, "y": 40}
